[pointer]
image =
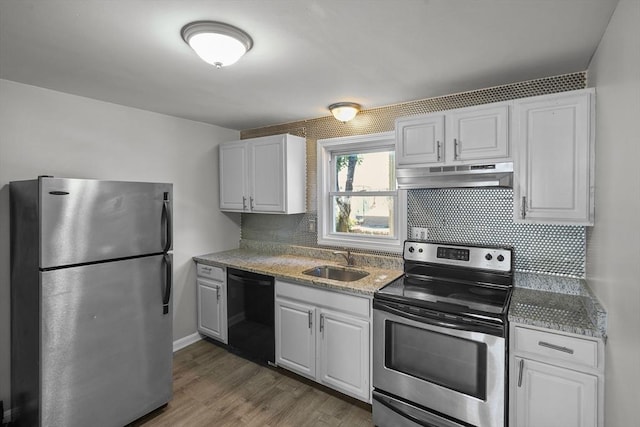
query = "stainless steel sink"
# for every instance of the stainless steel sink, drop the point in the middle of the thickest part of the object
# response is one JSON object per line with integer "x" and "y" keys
{"x": 336, "y": 273}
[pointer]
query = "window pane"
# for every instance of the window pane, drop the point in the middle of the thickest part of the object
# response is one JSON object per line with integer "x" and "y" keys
{"x": 371, "y": 215}
{"x": 365, "y": 171}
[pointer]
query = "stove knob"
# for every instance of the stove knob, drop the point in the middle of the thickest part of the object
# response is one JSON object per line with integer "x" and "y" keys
{"x": 411, "y": 249}
{"x": 500, "y": 258}
{"x": 488, "y": 257}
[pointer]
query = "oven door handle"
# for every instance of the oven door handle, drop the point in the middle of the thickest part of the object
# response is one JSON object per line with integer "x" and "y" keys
{"x": 476, "y": 326}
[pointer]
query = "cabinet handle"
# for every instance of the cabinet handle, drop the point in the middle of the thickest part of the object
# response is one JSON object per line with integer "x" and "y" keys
{"x": 521, "y": 368}
{"x": 310, "y": 313}
{"x": 321, "y": 322}
{"x": 455, "y": 148}
{"x": 439, "y": 145}
{"x": 524, "y": 207}
{"x": 244, "y": 203}
{"x": 251, "y": 202}
{"x": 555, "y": 347}
{"x": 218, "y": 294}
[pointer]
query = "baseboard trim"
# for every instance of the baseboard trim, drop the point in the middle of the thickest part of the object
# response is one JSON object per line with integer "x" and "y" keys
{"x": 181, "y": 343}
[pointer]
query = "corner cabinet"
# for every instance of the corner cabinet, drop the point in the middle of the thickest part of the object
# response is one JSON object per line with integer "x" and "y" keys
{"x": 554, "y": 159}
{"x": 212, "y": 302}
{"x": 556, "y": 379}
{"x": 454, "y": 137}
{"x": 325, "y": 336}
{"x": 263, "y": 175}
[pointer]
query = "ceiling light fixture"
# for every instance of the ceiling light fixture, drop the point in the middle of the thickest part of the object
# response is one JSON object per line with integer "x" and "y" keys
{"x": 217, "y": 43}
{"x": 344, "y": 111}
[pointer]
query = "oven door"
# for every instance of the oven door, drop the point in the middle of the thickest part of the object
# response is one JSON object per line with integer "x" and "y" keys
{"x": 451, "y": 367}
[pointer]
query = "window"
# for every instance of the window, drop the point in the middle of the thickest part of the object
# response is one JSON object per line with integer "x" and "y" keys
{"x": 359, "y": 204}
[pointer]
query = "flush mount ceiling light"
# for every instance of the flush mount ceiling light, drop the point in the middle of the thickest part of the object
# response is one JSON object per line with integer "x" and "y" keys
{"x": 217, "y": 43}
{"x": 344, "y": 111}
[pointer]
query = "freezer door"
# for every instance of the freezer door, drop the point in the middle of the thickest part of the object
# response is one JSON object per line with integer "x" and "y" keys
{"x": 83, "y": 220}
{"x": 106, "y": 344}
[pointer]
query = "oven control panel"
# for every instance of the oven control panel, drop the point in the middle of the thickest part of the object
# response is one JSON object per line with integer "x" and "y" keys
{"x": 485, "y": 258}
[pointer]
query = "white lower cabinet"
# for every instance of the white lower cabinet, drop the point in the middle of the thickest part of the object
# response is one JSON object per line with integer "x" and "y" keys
{"x": 295, "y": 337}
{"x": 212, "y": 302}
{"x": 556, "y": 379}
{"x": 325, "y": 336}
{"x": 551, "y": 396}
{"x": 344, "y": 353}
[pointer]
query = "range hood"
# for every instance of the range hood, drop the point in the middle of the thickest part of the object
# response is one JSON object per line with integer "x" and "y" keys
{"x": 478, "y": 175}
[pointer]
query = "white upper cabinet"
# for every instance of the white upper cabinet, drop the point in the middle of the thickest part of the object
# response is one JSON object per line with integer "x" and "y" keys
{"x": 420, "y": 140}
{"x": 479, "y": 133}
{"x": 263, "y": 175}
{"x": 234, "y": 175}
{"x": 460, "y": 136}
{"x": 554, "y": 161}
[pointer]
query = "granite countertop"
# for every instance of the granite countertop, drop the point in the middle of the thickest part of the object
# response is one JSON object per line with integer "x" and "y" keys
{"x": 291, "y": 266}
{"x": 557, "y": 303}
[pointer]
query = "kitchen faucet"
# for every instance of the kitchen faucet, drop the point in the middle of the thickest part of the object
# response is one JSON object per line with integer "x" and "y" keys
{"x": 347, "y": 256}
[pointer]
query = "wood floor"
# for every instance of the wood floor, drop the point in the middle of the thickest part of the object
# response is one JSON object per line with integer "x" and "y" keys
{"x": 213, "y": 387}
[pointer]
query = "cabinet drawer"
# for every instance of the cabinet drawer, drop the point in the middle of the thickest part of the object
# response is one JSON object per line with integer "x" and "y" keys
{"x": 345, "y": 303}
{"x": 557, "y": 346}
{"x": 211, "y": 272}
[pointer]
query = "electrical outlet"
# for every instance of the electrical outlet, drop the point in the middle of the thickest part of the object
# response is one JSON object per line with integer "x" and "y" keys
{"x": 419, "y": 233}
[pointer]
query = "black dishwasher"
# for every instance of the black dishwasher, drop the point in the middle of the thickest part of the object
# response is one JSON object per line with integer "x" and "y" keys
{"x": 250, "y": 315}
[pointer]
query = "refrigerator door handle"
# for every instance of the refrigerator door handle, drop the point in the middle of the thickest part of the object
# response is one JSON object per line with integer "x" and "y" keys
{"x": 168, "y": 220}
{"x": 168, "y": 279}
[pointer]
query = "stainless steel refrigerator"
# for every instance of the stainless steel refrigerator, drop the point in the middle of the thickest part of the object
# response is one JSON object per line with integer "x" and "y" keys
{"x": 91, "y": 313}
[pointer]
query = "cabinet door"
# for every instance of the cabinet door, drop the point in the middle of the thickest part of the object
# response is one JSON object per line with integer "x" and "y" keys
{"x": 295, "y": 337}
{"x": 420, "y": 140}
{"x": 233, "y": 177}
{"x": 212, "y": 319}
{"x": 267, "y": 180}
{"x": 478, "y": 133}
{"x": 549, "y": 396}
{"x": 344, "y": 354}
{"x": 554, "y": 170}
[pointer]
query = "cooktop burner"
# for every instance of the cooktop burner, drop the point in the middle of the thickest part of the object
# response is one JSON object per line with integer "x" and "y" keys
{"x": 453, "y": 278}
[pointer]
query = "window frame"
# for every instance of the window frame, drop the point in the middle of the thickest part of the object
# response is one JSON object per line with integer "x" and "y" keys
{"x": 326, "y": 149}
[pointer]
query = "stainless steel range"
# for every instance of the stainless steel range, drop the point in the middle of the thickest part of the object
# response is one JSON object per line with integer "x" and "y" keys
{"x": 439, "y": 345}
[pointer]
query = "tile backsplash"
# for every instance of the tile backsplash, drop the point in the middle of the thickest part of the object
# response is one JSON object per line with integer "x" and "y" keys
{"x": 456, "y": 215}
{"x": 485, "y": 216}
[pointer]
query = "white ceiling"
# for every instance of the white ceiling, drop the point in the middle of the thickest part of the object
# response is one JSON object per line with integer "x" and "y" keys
{"x": 307, "y": 54}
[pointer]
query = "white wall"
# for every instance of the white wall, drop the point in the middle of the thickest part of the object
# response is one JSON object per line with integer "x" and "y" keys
{"x": 613, "y": 255}
{"x": 43, "y": 132}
